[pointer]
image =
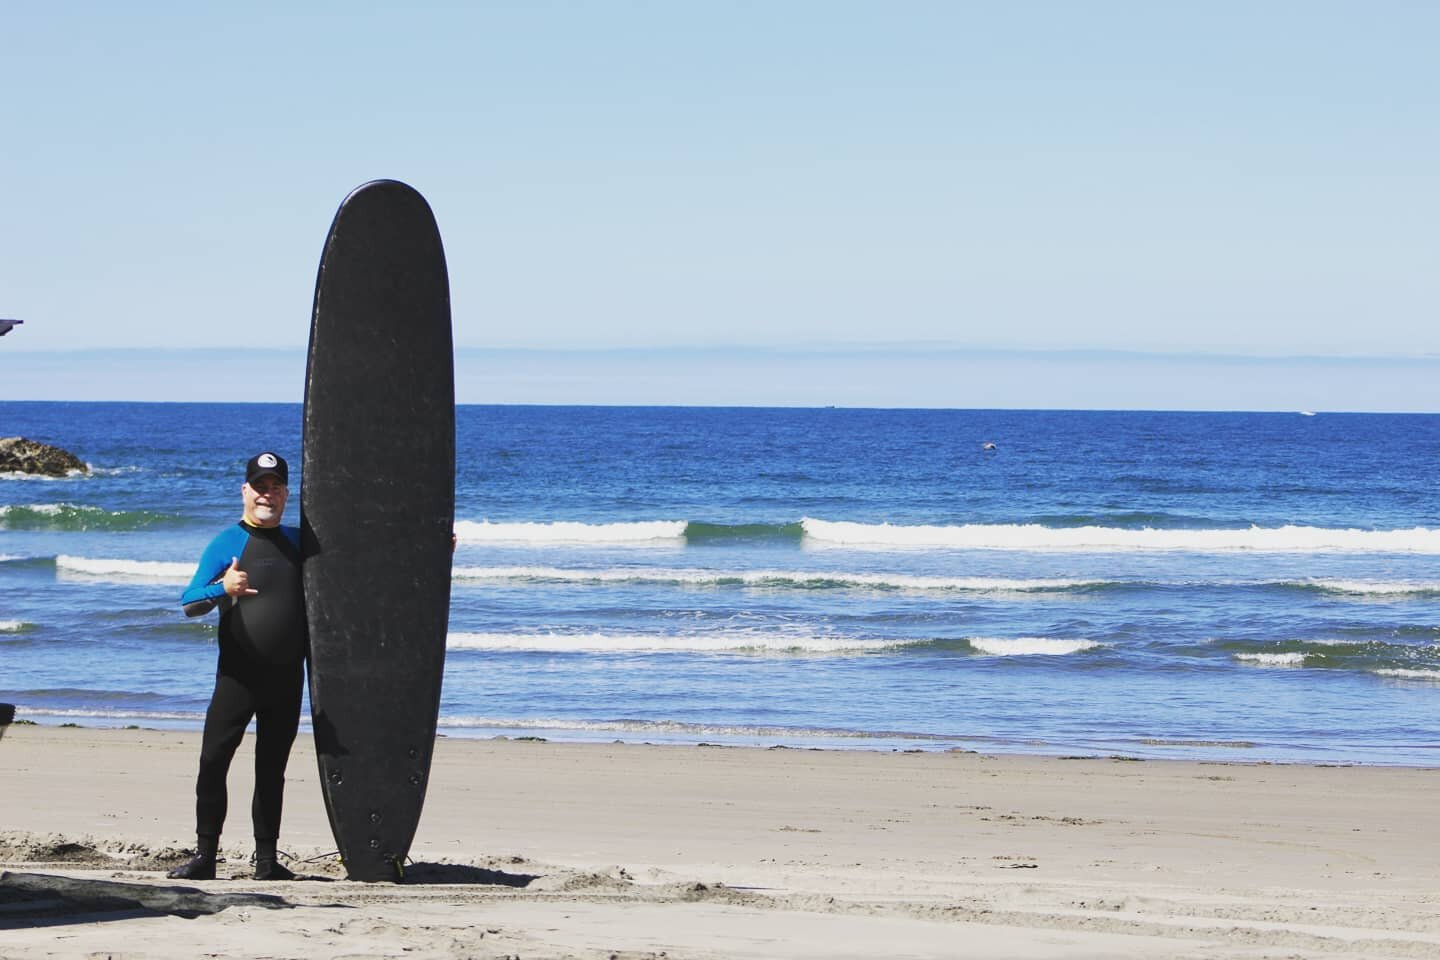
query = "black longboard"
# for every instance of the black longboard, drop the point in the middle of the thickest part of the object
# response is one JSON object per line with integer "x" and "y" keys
{"x": 377, "y": 508}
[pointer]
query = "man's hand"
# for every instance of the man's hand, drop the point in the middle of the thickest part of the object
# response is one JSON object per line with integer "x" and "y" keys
{"x": 237, "y": 581}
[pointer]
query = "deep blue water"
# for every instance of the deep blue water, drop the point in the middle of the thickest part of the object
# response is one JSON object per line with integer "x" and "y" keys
{"x": 1231, "y": 586}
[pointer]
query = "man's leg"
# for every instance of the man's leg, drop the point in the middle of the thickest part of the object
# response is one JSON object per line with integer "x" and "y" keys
{"x": 231, "y": 707}
{"x": 276, "y": 721}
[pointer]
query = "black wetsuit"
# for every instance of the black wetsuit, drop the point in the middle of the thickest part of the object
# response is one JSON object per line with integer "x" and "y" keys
{"x": 261, "y": 670}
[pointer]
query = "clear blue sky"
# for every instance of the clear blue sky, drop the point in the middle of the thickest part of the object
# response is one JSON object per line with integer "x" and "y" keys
{"x": 1226, "y": 178}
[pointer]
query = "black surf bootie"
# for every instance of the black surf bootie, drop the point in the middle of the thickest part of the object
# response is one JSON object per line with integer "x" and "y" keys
{"x": 267, "y": 869}
{"x": 199, "y": 867}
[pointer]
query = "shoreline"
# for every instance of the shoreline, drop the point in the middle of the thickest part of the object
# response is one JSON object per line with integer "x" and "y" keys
{"x": 620, "y": 733}
{"x": 633, "y": 850}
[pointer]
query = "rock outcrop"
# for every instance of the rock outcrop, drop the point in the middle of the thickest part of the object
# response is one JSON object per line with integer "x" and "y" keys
{"x": 19, "y": 455}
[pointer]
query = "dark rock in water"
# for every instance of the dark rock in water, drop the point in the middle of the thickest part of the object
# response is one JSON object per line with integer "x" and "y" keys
{"x": 18, "y": 455}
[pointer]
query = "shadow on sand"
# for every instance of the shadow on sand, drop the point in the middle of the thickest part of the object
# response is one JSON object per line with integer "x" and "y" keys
{"x": 464, "y": 873}
{"x": 38, "y": 899}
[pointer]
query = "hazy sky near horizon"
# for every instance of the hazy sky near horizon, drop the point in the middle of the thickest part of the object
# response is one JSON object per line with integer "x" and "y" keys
{"x": 1232, "y": 177}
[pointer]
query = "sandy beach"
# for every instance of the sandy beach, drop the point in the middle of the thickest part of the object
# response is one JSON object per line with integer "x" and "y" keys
{"x": 546, "y": 850}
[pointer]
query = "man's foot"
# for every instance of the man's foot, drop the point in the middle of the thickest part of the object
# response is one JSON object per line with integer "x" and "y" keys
{"x": 272, "y": 870}
{"x": 198, "y": 867}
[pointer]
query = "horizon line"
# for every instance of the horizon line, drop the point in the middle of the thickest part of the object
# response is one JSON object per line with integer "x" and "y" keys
{"x": 925, "y": 348}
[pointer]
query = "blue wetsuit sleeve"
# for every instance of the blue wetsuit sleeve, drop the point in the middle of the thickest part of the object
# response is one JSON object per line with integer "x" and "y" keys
{"x": 206, "y": 589}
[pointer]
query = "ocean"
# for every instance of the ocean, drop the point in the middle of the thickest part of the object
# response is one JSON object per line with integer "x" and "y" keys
{"x": 1216, "y": 586}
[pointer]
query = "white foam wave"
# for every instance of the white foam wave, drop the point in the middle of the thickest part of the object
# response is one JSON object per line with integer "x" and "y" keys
{"x": 683, "y": 731}
{"x": 1429, "y": 676}
{"x": 13, "y": 626}
{"x": 1287, "y": 539}
{"x": 17, "y": 475}
{"x": 44, "y": 509}
{"x": 974, "y": 584}
{"x": 1029, "y": 646}
{"x": 650, "y": 643}
{"x": 100, "y": 568}
{"x": 672, "y": 727}
{"x": 1374, "y": 588}
{"x": 483, "y": 531}
{"x": 693, "y": 577}
{"x": 1272, "y": 659}
{"x": 115, "y": 713}
{"x": 570, "y": 575}
{"x": 19, "y": 511}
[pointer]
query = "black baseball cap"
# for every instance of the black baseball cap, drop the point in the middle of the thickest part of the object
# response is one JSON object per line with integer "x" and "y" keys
{"x": 267, "y": 462}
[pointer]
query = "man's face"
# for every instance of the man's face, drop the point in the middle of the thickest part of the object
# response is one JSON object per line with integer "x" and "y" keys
{"x": 264, "y": 500}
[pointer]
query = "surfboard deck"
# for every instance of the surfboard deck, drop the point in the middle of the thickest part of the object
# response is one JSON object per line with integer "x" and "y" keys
{"x": 377, "y": 510}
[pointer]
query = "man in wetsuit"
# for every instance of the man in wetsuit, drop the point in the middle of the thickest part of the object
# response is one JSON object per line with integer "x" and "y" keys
{"x": 251, "y": 571}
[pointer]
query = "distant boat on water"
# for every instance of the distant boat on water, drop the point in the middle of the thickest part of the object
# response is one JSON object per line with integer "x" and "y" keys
{"x": 1307, "y": 413}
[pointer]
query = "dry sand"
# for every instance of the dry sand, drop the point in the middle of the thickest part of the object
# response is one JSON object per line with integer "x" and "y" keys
{"x": 547, "y": 850}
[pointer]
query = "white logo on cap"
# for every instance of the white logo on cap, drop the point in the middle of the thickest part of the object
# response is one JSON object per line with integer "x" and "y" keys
{"x": 267, "y": 460}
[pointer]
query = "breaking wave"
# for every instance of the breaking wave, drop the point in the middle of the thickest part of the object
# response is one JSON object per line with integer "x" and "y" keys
{"x": 1286, "y": 539}
{"x": 483, "y": 531}
{"x": 651, "y": 643}
{"x": 1029, "y": 646}
{"x": 805, "y": 580}
{"x": 76, "y": 517}
{"x": 124, "y": 571}
{"x": 975, "y": 536}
